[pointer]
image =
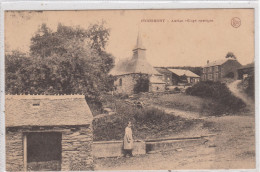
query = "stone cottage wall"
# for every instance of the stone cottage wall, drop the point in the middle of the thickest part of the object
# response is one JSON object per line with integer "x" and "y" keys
{"x": 154, "y": 87}
{"x": 128, "y": 83}
{"x": 230, "y": 66}
{"x": 76, "y": 147}
{"x": 14, "y": 150}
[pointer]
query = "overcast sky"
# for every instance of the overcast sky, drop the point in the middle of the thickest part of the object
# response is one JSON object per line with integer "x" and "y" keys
{"x": 178, "y": 40}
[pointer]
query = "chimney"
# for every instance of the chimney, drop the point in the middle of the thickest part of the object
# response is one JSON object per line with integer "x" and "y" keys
{"x": 207, "y": 61}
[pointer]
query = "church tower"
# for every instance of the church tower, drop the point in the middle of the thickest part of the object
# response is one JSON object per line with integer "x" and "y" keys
{"x": 139, "y": 51}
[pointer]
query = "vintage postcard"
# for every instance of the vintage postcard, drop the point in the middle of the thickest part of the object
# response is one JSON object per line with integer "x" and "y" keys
{"x": 168, "y": 89}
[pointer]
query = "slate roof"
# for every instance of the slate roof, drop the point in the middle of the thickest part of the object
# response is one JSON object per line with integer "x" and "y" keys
{"x": 138, "y": 64}
{"x": 163, "y": 70}
{"x": 181, "y": 72}
{"x": 218, "y": 62}
{"x": 250, "y": 65}
{"x": 46, "y": 110}
{"x": 133, "y": 65}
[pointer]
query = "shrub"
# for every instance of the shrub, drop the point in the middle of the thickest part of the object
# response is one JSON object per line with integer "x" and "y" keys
{"x": 226, "y": 102}
{"x": 142, "y": 83}
{"x": 177, "y": 89}
{"x": 250, "y": 89}
{"x": 150, "y": 122}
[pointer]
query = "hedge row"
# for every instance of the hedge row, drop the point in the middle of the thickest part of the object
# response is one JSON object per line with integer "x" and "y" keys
{"x": 226, "y": 102}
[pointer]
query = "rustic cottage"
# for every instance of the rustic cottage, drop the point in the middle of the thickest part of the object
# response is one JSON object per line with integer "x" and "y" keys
{"x": 45, "y": 132}
{"x": 181, "y": 76}
{"x": 178, "y": 76}
{"x": 167, "y": 75}
{"x": 220, "y": 69}
{"x": 131, "y": 72}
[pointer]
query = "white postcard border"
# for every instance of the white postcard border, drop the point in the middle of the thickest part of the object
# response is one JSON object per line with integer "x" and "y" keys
{"x": 99, "y": 5}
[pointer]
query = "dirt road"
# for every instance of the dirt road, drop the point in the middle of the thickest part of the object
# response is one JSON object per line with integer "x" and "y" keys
{"x": 232, "y": 147}
{"x": 233, "y": 87}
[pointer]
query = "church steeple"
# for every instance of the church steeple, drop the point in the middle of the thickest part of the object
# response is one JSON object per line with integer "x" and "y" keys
{"x": 139, "y": 50}
{"x": 139, "y": 44}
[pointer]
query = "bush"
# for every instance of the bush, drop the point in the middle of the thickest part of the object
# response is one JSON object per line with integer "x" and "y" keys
{"x": 142, "y": 83}
{"x": 250, "y": 89}
{"x": 147, "y": 123}
{"x": 176, "y": 89}
{"x": 226, "y": 102}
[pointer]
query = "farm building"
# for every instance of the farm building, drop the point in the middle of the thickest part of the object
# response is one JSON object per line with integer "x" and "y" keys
{"x": 45, "y": 132}
{"x": 129, "y": 73}
{"x": 184, "y": 76}
{"x": 178, "y": 76}
{"x": 167, "y": 75}
{"x": 220, "y": 69}
{"x": 246, "y": 71}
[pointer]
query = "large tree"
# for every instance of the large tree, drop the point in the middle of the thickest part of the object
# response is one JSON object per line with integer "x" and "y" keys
{"x": 67, "y": 61}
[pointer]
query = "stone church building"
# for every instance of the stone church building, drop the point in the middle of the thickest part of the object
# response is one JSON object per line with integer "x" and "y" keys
{"x": 48, "y": 133}
{"x": 128, "y": 72}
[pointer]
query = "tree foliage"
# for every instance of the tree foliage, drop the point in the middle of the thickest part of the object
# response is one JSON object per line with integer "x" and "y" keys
{"x": 231, "y": 55}
{"x": 142, "y": 83}
{"x": 67, "y": 61}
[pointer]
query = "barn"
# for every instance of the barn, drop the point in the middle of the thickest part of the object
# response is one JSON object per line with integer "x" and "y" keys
{"x": 48, "y": 133}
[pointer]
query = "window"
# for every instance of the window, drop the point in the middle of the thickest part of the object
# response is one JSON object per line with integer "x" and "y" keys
{"x": 210, "y": 76}
{"x": 120, "y": 82}
{"x": 204, "y": 70}
{"x": 216, "y": 68}
{"x": 216, "y": 76}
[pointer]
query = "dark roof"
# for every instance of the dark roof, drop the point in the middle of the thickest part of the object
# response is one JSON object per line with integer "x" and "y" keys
{"x": 46, "y": 110}
{"x": 218, "y": 62}
{"x": 133, "y": 65}
{"x": 163, "y": 70}
{"x": 137, "y": 64}
{"x": 250, "y": 65}
{"x": 182, "y": 72}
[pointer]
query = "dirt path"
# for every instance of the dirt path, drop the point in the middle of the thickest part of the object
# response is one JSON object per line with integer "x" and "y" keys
{"x": 233, "y": 87}
{"x": 181, "y": 113}
{"x": 232, "y": 148}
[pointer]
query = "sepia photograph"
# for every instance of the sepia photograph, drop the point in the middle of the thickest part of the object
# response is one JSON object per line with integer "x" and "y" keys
{"x": 168, "y": 89}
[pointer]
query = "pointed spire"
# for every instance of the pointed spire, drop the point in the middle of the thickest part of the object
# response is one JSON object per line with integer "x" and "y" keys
{"x": 139, "y": 44}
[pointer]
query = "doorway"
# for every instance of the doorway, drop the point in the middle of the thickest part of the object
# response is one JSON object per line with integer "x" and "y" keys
{"x": 43, "y": 151}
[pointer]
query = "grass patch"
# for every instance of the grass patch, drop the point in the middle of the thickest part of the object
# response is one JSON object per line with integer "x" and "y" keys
{"x": 148, "y": 123}
{"x": 225, "y": 101}
{"x": 181, "y": 101}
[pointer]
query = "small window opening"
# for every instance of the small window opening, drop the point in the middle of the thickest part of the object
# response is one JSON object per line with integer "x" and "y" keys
{"x": 120, "y": 82}
{"x": 36, "y": 104}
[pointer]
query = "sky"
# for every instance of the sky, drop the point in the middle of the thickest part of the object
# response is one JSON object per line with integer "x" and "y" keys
{"x": 178, "y": 38}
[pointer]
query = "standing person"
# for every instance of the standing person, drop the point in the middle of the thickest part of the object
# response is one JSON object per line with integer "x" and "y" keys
{"x": 128, "y": 140}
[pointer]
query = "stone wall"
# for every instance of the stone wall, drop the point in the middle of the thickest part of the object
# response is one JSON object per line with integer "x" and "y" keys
{"x": 114, "y": 148}
{"x": 154, "y": 87}
{"x": 76, "y": 147}
{"x": 14, "y": 150}
{"x": 230, "y": 66}
{"x": 128, "y": 83}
